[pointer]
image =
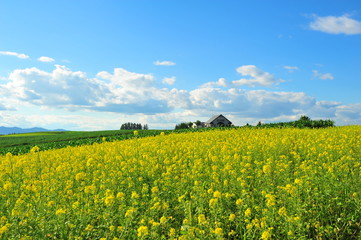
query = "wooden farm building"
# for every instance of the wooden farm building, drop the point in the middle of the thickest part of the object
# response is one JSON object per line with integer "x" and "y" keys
{"x": 215, "y": 121}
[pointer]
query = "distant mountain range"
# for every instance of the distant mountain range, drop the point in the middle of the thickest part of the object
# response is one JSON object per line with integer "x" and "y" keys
{"x": 12, "y": 130}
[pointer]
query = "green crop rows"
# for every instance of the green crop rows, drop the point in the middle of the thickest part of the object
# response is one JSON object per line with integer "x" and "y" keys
{"x": 22, "y": 143}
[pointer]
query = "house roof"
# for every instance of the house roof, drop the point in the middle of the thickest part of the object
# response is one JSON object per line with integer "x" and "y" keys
{"x": 215, "y": 117}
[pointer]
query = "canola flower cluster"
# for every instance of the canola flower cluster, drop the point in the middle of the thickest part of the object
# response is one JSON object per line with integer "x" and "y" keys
{"x": 223, "y": 184}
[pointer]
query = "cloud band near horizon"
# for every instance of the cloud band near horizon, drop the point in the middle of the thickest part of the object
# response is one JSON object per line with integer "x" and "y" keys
{"x": 130, "y": 93}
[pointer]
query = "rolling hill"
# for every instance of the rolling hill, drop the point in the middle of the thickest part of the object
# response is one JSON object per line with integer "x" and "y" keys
{"x": 14, "y": 130}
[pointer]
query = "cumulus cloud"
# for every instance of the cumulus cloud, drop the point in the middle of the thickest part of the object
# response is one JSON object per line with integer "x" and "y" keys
{"x": 169, "y": 80}
{"x": 18, "y": 55}
{"x": 2, "y": 107}
{"x": 323, "y": 109}
{"x": 164, "y": 63}
{"x": 132, "y": 92}
{"x": 257, "y": 77}
{"x": 336, "y": 25}
{"x": 59, "y": 88}
{"x": 255, "y": 103}
{"x": 222, "y": 82}
{"x": 137, "y": 96}
{"x": 45, "y": 59}
{"x": 322, "y": 76}
{"x": 120, "y": 91}
{"x": 350, "y": 113}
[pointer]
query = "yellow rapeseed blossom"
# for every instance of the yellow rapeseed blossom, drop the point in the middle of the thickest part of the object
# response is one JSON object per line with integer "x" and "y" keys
{"x": 298, "y": 181}
{"x": 7, "y": 186}
{"x": 202, "y": 219}
{"x": 155, "y": 190}
{"x": 213, "y": 202}
{"x": 217, "y": 194}
{"x": 248, "y": 212}
{"x": 120, "y": 195}
{"x": 4, "y": 229}
{"x": 239, "y": 202}
{"x": 229, "y": 183}
{"x": 75, "y": 205}
{"x": 60, "y": 211}
{"x": 267, "y": 169}
{"x": 89, "y": 228}
{"x": 282, "y": 211}
{"x": 142, "y": 231}
{"x": 266, "y": 234}
{"x": 218, "y": 231}
{"x": 80, "y": 176}
{"x": 172, "y": 233}
{"x": 130, "y": 212}
{"x": 163, "y": 220}
{"x": 135, "y": 195}
{"x": 270, "y": 200}
{"x": 232, "y": 216}
{"x": 34, "y": 149}
{"x": 90, "y": 189}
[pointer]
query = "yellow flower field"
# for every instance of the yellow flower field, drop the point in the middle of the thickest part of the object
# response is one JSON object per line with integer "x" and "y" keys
{"x": 222, "y": 184}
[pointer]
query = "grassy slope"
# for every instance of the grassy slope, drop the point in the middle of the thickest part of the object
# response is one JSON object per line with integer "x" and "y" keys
{"x": 22, "y": 143}
{"x": 44, "y": 137}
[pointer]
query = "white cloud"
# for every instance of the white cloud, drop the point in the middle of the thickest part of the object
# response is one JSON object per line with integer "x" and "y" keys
{"x": 291, "y": 68}
{"x": 59, "y": 88}
{"x": 349, "y": 114}
{"x": 222, "y": 82}
{"x": 123, "y": 91}
{"x": 104, "y": 75}
{"x": 45, "y": 59}
{"x": 322, "y": 76}
{"x": 2, "y": 107}
{"x": 336, "y": 25}
{"x": 132, "y": 93}
{"x": 136, "y": 96}
{"x": 169, "y": 80}
{"x": 257, "y": 77}
{"x": 164, "y": 63}
{"x": 18, "y": 55}
{"x": 67, "y": 120}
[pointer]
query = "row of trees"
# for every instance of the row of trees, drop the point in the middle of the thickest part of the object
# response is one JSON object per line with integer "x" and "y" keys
{"x": 183, "y": 125}
{"x": 303, "y": 122}
{"x": 133, "y": 126}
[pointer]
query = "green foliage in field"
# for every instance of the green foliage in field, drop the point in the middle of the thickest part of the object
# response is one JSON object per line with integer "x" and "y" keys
{"x": 22, "y": 143}
{"x": 303, "y": 122}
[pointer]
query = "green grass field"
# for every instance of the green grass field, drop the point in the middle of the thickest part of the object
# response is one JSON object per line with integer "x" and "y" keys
{"x": 22, "y": 143}
{"x": 30, "y": 134}
{"x": 240, "y": 183}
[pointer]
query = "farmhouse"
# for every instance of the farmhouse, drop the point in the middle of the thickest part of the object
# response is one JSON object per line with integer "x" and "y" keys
{"x": 215, "y": 121}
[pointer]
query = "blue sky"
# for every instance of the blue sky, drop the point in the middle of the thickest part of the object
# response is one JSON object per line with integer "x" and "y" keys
{"x": 90, "y": 65}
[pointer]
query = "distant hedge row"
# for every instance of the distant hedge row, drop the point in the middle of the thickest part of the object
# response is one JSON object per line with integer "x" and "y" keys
{"x": 303, "y": 122}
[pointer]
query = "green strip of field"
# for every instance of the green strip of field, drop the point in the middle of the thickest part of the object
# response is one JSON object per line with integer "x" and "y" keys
{"x": 30, "y": 134}
{"x": 22, "y": 143}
